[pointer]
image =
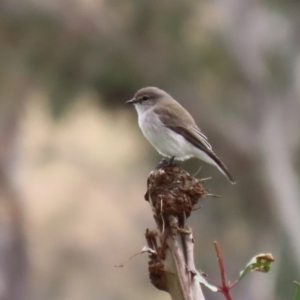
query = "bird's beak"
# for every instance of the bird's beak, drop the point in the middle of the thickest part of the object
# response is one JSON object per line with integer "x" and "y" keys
{"x": 131, "y": 101}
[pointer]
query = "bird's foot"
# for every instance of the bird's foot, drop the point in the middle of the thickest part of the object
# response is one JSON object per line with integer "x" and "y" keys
{"x": 166, "y": 163}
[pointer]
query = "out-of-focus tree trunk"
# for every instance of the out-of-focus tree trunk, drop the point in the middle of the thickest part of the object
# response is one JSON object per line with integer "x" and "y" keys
{"x": 270, "y": 132}
{"x": 13, "y": 256}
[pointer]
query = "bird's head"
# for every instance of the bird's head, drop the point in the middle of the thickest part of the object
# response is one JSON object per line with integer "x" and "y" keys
{"x": 147, "y": 97}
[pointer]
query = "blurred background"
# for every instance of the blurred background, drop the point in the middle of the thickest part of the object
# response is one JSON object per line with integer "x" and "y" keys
{"x": 74, "y": 164}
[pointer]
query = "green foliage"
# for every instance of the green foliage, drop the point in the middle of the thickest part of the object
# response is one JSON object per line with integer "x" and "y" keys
{"x": 297, "y": 294}
{"x": 260, "y": 263}
{"x": 152, "y": 47}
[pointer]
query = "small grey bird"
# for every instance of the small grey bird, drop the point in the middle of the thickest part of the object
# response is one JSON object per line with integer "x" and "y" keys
{"x": 171, "y": 130}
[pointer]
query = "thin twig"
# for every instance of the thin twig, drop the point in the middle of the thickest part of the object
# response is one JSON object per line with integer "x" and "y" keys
{"x": 162, "y": 216}
{"x": 224, "y": 289}
{"x": 213, "y": 195}
{"x": 221, "y": 263}
{"x": 232, "y": 285}
{"x": 200, "y": 168}
{"x": 145, "y": 249}
{"x": 205, "y": 179}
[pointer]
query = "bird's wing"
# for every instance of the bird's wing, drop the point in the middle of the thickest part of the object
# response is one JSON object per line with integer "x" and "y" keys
{"x": 195, "y": 129}
{"x": 183, "y": 123}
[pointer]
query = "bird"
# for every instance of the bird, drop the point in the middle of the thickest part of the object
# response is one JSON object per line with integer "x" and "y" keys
{"x": 171, "y": 130}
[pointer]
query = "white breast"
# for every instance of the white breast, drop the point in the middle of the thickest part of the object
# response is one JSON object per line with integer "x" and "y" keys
{"x": 165, "y": 141}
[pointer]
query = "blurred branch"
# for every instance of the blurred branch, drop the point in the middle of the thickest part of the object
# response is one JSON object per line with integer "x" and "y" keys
{"x": 13, "y": 256}
{"x": 281, "y": 177}
{"x": 270, "y": 113}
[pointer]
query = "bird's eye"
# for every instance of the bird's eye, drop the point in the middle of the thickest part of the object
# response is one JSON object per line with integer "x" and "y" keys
{"x": 145, "y": 98}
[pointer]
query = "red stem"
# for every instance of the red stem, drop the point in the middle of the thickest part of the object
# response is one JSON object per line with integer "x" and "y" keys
{"x": 221, "y": 263}
{"x": 233, "y": 284}
{"x": 225, "y": 288}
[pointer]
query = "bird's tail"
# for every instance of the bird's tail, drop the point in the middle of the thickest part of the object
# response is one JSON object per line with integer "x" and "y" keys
{"x": 226, "y": 173}
{"x": 221, "y": 166}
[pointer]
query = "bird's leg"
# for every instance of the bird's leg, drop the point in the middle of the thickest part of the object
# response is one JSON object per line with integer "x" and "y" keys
{"x": 171, "y": 161}
{"x": 166, "y": 162}
{"x": 162, "y": 163}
